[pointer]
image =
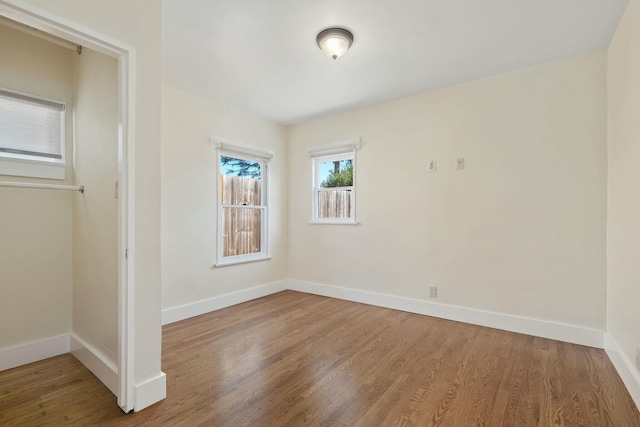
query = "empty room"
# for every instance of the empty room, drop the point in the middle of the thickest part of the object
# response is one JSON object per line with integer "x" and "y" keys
{"x": 304, "y": 212}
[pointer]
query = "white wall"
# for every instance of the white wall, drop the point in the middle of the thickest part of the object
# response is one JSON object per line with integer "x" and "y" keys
{"x": 35, "y": 225}
{"x": 520, "y": 231}
{"x": 189, "y": 196}
{"x": 623, "y": 232}
{"x": 95, "y": 213}
{"x": 138, "y": 24}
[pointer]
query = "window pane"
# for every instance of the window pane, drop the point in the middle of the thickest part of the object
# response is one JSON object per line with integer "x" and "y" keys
{"x": 337, "y": 173}
{"x": 241, "y": 231}
{"x": 241, "y": 181}
{"x": 334, "y": 204}
{"x": 30, "y": 129}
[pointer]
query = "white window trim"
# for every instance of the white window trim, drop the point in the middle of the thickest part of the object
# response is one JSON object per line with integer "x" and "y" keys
{"x": 13, "y": 164}
{"x": 226, "y": 147}
{"x": 263, "y": 154}
{"x": 338, "y": 150}
{"x": 340, "y": 147}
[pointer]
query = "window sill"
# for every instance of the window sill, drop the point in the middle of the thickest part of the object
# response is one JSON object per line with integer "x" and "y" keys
{"x": 31, "y": 168}
{"x": 333, "y": 223}
{"x": 240, "y": 261}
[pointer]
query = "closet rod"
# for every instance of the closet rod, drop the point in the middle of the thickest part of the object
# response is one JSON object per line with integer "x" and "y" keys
{"x": 79, "y": 188}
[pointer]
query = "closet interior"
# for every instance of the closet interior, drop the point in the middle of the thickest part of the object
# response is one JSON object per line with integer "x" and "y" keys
{"x": 58, "y": 201}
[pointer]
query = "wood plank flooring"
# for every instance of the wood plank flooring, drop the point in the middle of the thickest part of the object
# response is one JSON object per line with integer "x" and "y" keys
{"x": 293, "y": 359}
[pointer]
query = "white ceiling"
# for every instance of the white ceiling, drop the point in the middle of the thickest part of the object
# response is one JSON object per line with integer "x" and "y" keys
{"x": 261, "y": 55}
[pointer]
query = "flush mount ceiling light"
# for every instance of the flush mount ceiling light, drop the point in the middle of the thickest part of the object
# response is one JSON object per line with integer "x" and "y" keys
{"x": 334, "y": 42}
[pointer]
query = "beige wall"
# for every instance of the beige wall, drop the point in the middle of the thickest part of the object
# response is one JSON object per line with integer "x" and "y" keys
{"x": 520, "y": 231}
{"x": 35, "y": 225}
{"x": 138, "y": 24}
{"x": 35, "y": 277}
{"x": 95, "y": 213}
{"x": 623, "y": 232}
{"x": 189, "y": 195}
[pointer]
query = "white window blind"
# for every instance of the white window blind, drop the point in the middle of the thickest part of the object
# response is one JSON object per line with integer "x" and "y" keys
{"x": 31, "y": 126}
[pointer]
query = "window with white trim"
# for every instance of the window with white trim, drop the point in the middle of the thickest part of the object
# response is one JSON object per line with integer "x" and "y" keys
{"x": 32, "y": 134}
{"x": 334, "y": 188}
{"x": 243, "y": 206}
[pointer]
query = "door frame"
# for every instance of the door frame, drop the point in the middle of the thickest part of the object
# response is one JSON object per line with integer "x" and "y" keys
{"x": 60, "y": 27}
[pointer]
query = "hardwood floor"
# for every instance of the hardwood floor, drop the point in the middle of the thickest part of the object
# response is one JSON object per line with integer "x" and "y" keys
{"x": 296, "y": 359}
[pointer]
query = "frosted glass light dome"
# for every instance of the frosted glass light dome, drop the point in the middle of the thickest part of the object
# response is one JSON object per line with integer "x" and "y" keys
{"x": 334, "y": 42}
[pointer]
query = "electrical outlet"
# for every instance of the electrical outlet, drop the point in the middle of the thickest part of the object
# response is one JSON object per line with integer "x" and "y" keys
{"x": 433, "y": 291}
{"x": 432, "y": 166}
{"x": 460, "y": 163}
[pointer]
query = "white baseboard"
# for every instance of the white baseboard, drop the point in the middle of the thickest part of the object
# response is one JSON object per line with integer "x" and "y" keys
{"x": 13, "y": 357}
{"x": 150, "y": 391}
{"x": 523, "y": 325}
{"x": 181, "y": 312}
{"x": 100, "y": 365}
{"x": 626, "y": 369}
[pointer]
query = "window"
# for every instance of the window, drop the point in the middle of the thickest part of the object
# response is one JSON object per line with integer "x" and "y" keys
{"x": 32, "y": 137}
{"x": 334, "y": 183}
{"x": 242, "y": 204}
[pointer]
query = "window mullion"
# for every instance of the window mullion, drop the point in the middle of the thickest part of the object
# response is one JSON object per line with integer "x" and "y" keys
{"x": 246, "y": 206}
{"x": 333, "y": 188}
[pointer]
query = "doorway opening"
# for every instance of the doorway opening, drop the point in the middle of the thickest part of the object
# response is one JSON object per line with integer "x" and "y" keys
{"x": 105, "y": 77}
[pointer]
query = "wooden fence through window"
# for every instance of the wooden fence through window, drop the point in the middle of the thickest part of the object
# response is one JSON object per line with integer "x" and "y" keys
{"x": 334, "y": 203}
{"x": 241, "y": 232}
